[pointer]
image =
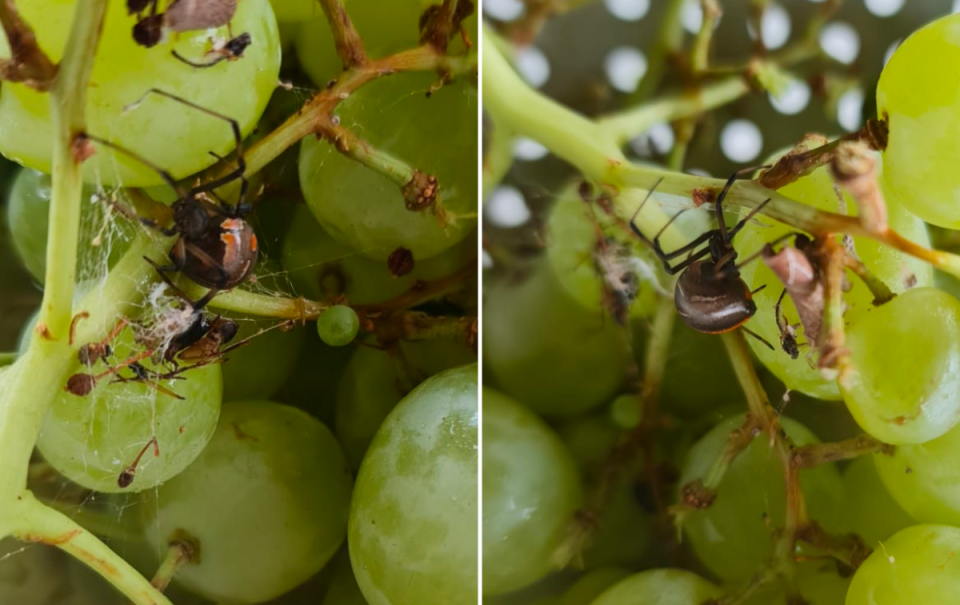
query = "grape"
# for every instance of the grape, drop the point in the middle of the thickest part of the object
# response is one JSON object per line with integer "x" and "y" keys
{"x": 531, "y": 491}
{"x": 343, "y": 587}
{"x": 373, "y": 382}
{"x": 868, "y": 509}
{"x": 819, "y": 583}
{"x": 413, "y": 519}
{"x": 27, "y": 215}
{"x": 591, "y": 584}
{"x": 752, "y": 490}
{"x": 35, "y": 575}
{"x": 573, "y": 247}
{"x": 338, "y": 325}
{"x": 625, "y": 526}
{"x": 916, "y": 565}
{"x": 924, "y": 478}
{"x": 906, "y": 356}
{"x": 267, "y": 500}
{"x": 527, "y": 336}
{"x": 364, "y": 209}
{"x": 291, "y": 11}
{"x": 321, "y": 268}
{"x": 660, "y": 587}
{"x": 888, "y": 265}
{"x": 259, "y": 369}
{"x": 92, "y": 439}
{"x": 917, "y": 97}
{"x": 168, "y": 134}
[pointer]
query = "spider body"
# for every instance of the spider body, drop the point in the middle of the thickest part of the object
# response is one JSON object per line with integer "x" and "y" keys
{"x": 710, "y": 295}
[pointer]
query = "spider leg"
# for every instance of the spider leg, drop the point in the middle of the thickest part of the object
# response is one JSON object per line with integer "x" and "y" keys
{"x": 166, "y": 176}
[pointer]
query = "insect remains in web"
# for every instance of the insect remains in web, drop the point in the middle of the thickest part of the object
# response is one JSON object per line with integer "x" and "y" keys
{"x": 710, "y": 295}
{"x": 788, "y": 331}
{"x": 215, "y": 246}
{"x": 222, "y": 49}
{"x": 128, "y": 474}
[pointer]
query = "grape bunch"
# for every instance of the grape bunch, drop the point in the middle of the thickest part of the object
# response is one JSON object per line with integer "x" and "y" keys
{"x": 266, "y": 389}
{"x": 804, "y": 454}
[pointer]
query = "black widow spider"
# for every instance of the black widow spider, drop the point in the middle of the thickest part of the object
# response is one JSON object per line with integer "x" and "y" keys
{"x": 710, "y": 295}
{"x": 216, "y": 247}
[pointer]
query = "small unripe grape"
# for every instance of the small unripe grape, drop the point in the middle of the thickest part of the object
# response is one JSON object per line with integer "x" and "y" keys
{"x": 338, "y": 325}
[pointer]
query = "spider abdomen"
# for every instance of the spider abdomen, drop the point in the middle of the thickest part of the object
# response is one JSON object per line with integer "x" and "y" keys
{"x": 713, "y": 302}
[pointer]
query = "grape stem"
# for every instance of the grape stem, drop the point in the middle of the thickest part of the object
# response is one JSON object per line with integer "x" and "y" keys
{"x": 28, "y": 63}
{"x": 667, "y": 47}
{"x": 815, "y": 454}
{"x": 594, "y": 149}
{"x": 349, "y": 45}
{"x": 183, "y": 549}
{"x": 36, "y": 522}
{"x": 700, "y": 53}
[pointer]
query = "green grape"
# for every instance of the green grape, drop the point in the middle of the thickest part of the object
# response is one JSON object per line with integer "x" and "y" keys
{"x": 626, "y": 412}
{"x": 267, "y": 500}
{"x": 343, "y": 587}
{"x": 660, "y": 587}
{"x": 527, "y": 336}
{"x": 750, "y": 498}
{"x": 819, "y": 583}
{"x": 318, "y": 363}
{"x": 890, "y": 266}
{"x": 292, "y": 11}
{"x": 28, "y": 209}
{"x": 320, "y": 268}
{"x": 625, "y": 526}
{"x": 176, "y": 138}
{"x": 924, "y": 478}
{"x": 338, "y": 325}
{"x": 374, "y": 381}
{"x": 364, "y": 209}
{"x": 386, "y": 28}
{"x": 916, "y": 565}
{"x": 917, "y": 96}
{"x": 92, "y": 439}
{"x": 259, "y": 369}
{"x": 591, "y": 585}
{"x": 868, "y": 508}
{"x": 573, "y": 247}
{"x": 906, "y": 367}
{"x": 413, "y": 519}
{"x": 531, "y": 490}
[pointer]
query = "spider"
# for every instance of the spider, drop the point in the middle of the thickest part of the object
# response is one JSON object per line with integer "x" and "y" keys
{"x": 215, "y": 246}
{"x": 710, "y": 295}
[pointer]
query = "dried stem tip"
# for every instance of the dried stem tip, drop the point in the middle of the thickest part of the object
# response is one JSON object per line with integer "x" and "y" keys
{"x": 802, "y": 283}
{"x": 854, "y": 167}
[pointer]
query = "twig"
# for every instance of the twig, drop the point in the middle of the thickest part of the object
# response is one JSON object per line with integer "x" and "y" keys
{"x": 667, "y": 46}
{"x": 834, "y": 356}
{"x": 815, "y": 454}
{"x": 28, "y": 63}
{"x": 182, "y": 549}
{"x": 700, "y": 53}
{"x": 349, "y": 45}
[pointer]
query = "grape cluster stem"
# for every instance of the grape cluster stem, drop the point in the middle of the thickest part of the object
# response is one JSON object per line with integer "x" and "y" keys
{"x": 28, "y": 63}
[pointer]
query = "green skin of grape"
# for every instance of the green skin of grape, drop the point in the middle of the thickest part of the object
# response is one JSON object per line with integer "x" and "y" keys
{"x": 887, "y": 264}
{"x": 868, "y": 508}
{"x": 370, "y": 387}
{"x": 364, "y": 209}
{"x": 591, "y": 585}
{"x": 548, "y": 351}
{"x": 924, "y": 479}
{"x": 660, "y": 587}
{"x": 268, "y": 501}
{"x": 918, "y": 94}
{"x": 624, "y": 536}
{"x": 259, "y": 369}
{"x": 413, "y": 519}
{"x": 916, "y": 565}
{"x": 752, "y": 490}
{"x": 906, "y": 360}
{"x": 167, "y": 133}
{"x": 320, "y": 268}
{"x": 818, "y": 582}
{"x": 296, "y": 11}
{"x": 531, "y": 491}
{"x": 92, "y": 439}
{"x": 28, "y": 209}
{"x": 338, "y": 325}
